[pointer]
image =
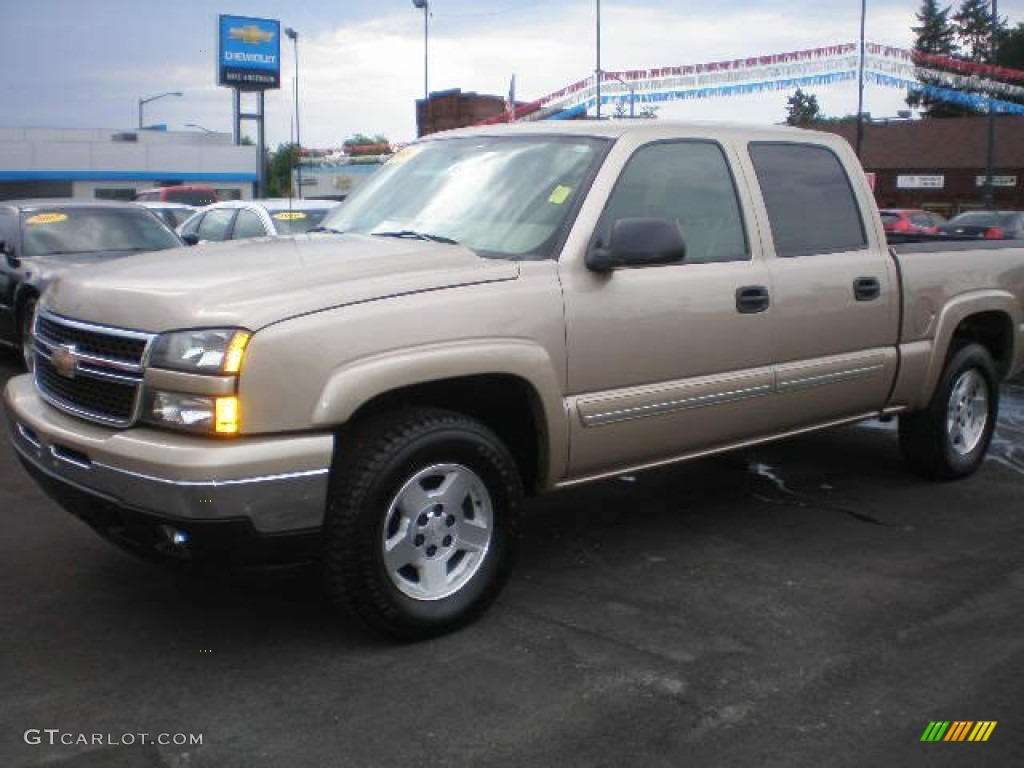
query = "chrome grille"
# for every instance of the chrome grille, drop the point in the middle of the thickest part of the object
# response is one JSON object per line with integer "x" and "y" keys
{"x": 92, "y": 342}
{"x": 91, "y": 371}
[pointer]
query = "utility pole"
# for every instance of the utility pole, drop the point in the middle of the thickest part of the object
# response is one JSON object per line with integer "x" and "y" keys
{"x": 990, "y": 153}
{"x": 597, "y": 71}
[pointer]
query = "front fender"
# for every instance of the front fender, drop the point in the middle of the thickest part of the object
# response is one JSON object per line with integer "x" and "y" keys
{"x": 356, "y": 383}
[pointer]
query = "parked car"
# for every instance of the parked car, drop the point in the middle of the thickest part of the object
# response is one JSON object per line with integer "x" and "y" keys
{"x": 986, "y": 225}
{"x": 172, "y": 214}
{"x": 42, "y": 239}
{"x": 242, "y": 219}
{"x": 910, "y": 221}
{"x": 189, "y": 194}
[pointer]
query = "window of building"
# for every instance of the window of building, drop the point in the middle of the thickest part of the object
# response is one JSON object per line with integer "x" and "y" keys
{"x": 811, "y": 205}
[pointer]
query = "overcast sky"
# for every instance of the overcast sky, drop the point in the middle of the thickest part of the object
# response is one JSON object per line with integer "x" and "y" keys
{"x": 85, "y": 63}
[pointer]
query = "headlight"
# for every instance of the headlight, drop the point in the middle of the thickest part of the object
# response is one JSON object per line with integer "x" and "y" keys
{"x": 195, "y": 413}
{"x": 216, "y": 350}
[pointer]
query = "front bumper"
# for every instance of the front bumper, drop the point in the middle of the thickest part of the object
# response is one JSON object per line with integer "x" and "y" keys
{"x": 224, "y": 495}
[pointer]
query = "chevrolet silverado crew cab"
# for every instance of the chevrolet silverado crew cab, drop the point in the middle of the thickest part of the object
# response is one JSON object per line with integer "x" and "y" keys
{"x": 501, "y": 311}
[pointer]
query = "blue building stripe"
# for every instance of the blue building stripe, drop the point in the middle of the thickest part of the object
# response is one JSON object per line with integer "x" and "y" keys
{"x": 122, "y": 176}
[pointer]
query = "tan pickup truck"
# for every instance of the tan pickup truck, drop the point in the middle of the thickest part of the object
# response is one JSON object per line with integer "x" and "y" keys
{"x": 498, "y": 312}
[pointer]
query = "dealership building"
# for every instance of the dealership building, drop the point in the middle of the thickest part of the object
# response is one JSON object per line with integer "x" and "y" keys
{"x": 941, "y": 164}
{"x": 115, "y": 164}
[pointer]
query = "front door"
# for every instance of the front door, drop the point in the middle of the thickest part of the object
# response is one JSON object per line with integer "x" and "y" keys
{"x": 670, "y": 360}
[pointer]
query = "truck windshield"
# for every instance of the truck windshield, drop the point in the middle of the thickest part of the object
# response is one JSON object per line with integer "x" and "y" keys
{"x": 506, "y": 197}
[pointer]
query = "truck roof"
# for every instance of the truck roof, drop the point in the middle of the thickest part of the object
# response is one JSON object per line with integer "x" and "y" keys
{"x": 653, "y": 129}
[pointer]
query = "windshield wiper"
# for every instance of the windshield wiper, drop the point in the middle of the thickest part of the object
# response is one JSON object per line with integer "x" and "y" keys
{"x": 410, "y": 234}
{"x": 327, "y": 229}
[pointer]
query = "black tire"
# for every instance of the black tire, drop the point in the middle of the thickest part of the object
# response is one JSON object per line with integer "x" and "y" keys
{"x": 948, "y": 440}
{"x": 25, "y": 332}
{"x": 426, "y": 486}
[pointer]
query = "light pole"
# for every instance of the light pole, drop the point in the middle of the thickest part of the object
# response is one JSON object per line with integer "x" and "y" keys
{"x": 597, "y": 70}
{"x": 632, "y": 93}
{"x": 425, "y": 5}
{"x": 990, "y": 152}
{"x": 154, "y": 98}
{"x": 292, "y": 35}
{"x": 202, "y": 128}
{"x": 860, "y": 80}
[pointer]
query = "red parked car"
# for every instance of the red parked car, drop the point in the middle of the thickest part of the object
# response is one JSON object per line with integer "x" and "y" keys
{"x": 911, "y": 221}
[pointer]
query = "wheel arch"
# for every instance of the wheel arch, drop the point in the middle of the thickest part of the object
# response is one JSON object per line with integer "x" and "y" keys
{"x": 511, "y": 387}
{"x": 988, "y": 318}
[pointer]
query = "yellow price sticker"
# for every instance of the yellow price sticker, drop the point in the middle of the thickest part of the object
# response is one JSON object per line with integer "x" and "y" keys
{"x": 404, "y": 155}
{"x": 289, "y": 215}
{"x": 560, "y": 194}
{"x": 46, "y": 218}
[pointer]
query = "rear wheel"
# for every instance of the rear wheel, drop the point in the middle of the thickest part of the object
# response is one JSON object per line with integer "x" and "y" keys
{"x": 949, "y": 439}
{"x": 421, "y": 523}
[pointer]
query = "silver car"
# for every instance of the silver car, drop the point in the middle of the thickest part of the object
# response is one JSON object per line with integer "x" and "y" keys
{"x": 241, "y": 219}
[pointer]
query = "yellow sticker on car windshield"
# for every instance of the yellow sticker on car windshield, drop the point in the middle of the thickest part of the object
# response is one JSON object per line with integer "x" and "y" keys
{"x": 289, "y": 215}
{"x": 560, "y": 194}
{"x": 46, "y": 218}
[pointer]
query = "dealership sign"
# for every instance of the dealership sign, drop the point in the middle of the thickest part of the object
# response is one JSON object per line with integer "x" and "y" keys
{"x": 920, "y": 182}
{"x": 997, "y": 181}
{"x": 249, "y": 53}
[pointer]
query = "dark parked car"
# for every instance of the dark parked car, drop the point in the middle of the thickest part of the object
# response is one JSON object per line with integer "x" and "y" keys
{"x": 988, "y": 225}
{"x": 40, "y": 239}
{"x": 910, "y": 221}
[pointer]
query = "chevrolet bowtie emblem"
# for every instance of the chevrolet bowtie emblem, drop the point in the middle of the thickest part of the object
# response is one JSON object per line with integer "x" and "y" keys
{"x": 251, "y": 34}
{"x": 64, "y": 361}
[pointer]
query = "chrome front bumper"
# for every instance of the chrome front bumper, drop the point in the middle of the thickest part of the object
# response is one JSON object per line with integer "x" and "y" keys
{"x": 277, "y": 484}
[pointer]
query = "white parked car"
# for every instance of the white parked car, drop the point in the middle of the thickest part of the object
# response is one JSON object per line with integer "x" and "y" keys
{"x": 240, "y": 219}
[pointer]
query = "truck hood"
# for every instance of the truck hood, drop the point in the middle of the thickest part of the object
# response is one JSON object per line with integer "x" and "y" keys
{"x": 253, "y": 283}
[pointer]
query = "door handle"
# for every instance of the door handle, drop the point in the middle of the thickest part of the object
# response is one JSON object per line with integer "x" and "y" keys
{"x": 866, "y": 288}
{"x": 751, "y": 299}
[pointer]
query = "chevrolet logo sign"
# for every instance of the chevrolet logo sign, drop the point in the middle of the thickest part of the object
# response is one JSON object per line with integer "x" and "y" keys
{"x": 251, "y": 34}
{"x": 64, "y": 361}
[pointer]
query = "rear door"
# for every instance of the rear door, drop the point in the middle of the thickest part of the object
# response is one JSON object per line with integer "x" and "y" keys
{"x": 835, "y": 294}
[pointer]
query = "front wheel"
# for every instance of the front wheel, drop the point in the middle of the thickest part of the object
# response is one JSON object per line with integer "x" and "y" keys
{"x": 421, "y": 522}
{"x": 949, "y": 439}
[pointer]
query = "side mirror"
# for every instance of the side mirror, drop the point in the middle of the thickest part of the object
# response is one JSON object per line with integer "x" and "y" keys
{"x": 639, "y": 243}
{"x": 190, "y": 239}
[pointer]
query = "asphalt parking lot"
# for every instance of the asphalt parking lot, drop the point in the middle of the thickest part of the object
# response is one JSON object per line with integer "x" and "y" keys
{"x": 805, "y": 604}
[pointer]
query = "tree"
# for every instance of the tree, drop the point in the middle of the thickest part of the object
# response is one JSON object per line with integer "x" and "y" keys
{"x": 1011, "y": 48}
{"x": 935, "y": 36}
{"x": 802, "y": 108}
{"x": 279, "y": 165}
{"x": 973, "y": 26}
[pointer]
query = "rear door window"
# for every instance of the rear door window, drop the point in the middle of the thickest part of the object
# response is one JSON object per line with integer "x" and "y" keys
{"x": 811, "y": 205}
